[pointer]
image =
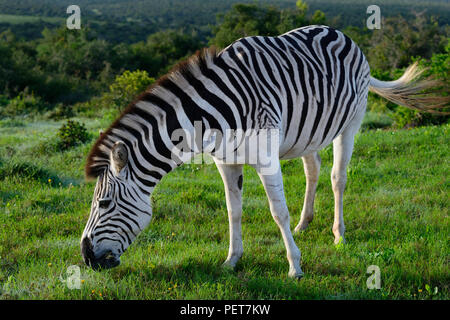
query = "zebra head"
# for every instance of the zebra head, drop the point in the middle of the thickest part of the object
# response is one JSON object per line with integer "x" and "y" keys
{"x": 120, "y": 210}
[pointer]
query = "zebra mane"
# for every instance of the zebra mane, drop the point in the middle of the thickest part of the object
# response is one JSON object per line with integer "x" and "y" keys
{"x": 99, "y": 156}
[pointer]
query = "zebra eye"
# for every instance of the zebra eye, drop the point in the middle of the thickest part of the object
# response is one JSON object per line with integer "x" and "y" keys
{"x": 104, "y": 203}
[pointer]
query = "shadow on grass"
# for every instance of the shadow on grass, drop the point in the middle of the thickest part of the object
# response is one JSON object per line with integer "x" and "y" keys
{"x": 250, "y": 280}
{"x": 189, "y": 269}
{"x": 201, "y": 278}
{"x": 8, "y": 195}
{"x": 28, "y": 170}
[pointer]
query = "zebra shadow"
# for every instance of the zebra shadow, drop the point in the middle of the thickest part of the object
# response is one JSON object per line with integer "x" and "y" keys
{"x": 184, "y": 271}
{"x": 201, "y": 269}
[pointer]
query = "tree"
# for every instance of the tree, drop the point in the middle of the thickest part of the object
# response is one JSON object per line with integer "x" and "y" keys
{"x": 245, "y": 20}
{"x": 394, "y": 45}
{"x": 161, "y": 51}
{"x": 17, "y": 65}
{"x": 72, "y": 52}
{"x": 250, "y": 19}
{"x": 127, "y": 86}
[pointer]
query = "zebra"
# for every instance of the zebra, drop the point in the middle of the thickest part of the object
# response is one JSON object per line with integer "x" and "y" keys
{"x": 310, "y": 85}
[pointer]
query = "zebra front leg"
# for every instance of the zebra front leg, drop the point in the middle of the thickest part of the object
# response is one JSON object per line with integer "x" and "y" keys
{"x": 311, "y": 164}
{"x": 232, "y": 180}
{"x": 273, "y": 184}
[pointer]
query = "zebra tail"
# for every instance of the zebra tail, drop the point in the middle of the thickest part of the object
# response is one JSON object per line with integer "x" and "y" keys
{"x": 414, "y": 92}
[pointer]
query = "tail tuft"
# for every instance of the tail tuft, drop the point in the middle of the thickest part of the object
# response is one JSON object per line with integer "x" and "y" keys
{"x": 413, "y": 92}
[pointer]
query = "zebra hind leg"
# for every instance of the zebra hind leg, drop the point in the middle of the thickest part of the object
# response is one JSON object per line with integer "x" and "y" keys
{"x": 342, "y": 153}
{"x": 273, "y": 184}
{"x": 232, "y": 180}
{"x": 311, "y": 164}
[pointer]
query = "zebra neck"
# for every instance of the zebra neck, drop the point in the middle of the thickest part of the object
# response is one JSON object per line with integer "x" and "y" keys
{"x": 162, "y": 136}
{"x": 171, "y": 119}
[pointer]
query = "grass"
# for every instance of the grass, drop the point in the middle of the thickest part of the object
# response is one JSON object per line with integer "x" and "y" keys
{"x": 374, "y": 120}
{"x": 19, "y": 19}
{"x": 396, "y": 213}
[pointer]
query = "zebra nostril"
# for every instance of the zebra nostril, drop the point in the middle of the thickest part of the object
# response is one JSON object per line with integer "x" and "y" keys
{"x": 106, "y": 260}
{"x": 86, "y": 251}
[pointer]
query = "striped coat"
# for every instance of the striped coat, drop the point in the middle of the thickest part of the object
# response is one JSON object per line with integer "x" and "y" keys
{"x": 310, "y": 85}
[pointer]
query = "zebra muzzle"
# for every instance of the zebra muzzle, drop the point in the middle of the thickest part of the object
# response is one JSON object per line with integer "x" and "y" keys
{"x": 105, "y": 260}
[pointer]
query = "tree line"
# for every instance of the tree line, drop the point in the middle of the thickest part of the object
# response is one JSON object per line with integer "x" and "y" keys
{"x": 71, "y": 67}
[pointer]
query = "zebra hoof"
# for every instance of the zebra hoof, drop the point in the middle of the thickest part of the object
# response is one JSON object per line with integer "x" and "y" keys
{"x": 296, "y": 274}
{"x": 227, "y": 265}
{"x": 302, "y": 226}
{"x": 339, "y": 241}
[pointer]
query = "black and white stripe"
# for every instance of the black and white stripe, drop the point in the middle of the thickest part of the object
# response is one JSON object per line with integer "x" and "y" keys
{"x": 310, "y": 84}
{"x": 307, "y": 83}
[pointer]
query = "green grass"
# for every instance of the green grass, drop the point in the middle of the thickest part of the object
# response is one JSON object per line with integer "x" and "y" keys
{"x": 396, "y": 215}
{"x": 375, "y": 120}
{"x": 19, "y": 19}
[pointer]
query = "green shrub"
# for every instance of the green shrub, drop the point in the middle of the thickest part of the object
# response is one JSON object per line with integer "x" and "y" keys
{"x": 3, "y": 100}
{"x": 22, "y": 104}
{"x": 405, "y": 117}
{"x": 373, "y": 120}
{"x": 378, "y": 104}
{"x": 11, "y": 123}
{"x": 437, "y": 66}
{"x": 45, "y": 147}
{"x": 60, "y": 111}
{"x": 122, "y": 91}
{"x": 127, "y": 86}
{"x": 72, "y": 133}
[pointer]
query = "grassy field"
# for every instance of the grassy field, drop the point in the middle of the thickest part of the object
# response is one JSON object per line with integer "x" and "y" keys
{"x": 19, "y": 19}
{"x": 396, "y": 214}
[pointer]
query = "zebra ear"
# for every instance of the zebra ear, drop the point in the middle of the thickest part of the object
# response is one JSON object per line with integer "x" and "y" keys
{"x": 119, "y": 156}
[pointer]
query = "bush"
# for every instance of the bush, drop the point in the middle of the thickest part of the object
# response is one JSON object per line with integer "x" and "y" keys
{"x": 4, "y": 100}
{"x": 11, "y": 123}
{"x": 373, "y": 120}
{"x": 127, "y": 86}
{"x": 438, "y": 66}
{"x": 22, "y": 104}
{"x": 124, "y": 89}
{"x": 72, "y": 133}
{"x": 60, "y": 111}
